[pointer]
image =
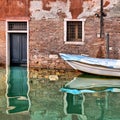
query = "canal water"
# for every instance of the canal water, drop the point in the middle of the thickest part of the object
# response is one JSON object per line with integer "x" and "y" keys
{"x": 39, "y": 94}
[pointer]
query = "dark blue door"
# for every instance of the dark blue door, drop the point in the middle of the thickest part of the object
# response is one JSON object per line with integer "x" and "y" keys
{"x": 18, "y": 48}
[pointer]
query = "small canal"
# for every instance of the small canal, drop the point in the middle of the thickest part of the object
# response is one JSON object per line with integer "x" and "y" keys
{"x": 40, "y": 94}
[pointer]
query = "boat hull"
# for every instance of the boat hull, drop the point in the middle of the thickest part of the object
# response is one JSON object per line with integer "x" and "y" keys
{"x": 98, "y": 70}
{"x": 98, "y": 66}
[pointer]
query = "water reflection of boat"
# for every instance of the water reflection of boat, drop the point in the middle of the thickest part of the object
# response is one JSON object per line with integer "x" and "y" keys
{"x": 92, "y": 93}
{"x": 91, "y": 84}
{"x": 17, "y": 90}
{"x": 90, "y": 81}
{"x": 99, "y": 66}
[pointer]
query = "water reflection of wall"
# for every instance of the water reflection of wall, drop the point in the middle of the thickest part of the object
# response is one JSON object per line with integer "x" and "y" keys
{"x": 40, "y": 74}
{"x": 106, "y": 105}
{"x": 95, "y": 106}
{"x": 46, "y": 100}
{"x": 2, "y": 89}
{"x": 17, "y": 90}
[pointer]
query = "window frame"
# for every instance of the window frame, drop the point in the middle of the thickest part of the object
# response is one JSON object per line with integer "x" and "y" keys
{"x": 65, "y": 31}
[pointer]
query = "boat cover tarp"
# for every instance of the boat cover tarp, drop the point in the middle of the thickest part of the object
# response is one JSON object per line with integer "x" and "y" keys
{"x": 111, "y": 63}
{"x": 76, "y": 91}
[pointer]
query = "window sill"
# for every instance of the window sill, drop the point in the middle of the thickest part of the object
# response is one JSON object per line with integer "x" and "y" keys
{"x": 75, "y": 43}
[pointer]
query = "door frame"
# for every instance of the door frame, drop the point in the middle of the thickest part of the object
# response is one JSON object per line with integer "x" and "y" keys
{"x": 8, "y": 32}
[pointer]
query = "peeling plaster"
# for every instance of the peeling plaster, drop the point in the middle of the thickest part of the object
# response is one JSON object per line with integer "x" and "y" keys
{"x": 115, "y": 11}
{"x": 91, "y": 7}
{"x": 20, "y": 4}
{"x": 46, "y": 3}
{"x": 45, "y": 9}
{"x": 76, "y": 8}
{"x": 38, "y": 13}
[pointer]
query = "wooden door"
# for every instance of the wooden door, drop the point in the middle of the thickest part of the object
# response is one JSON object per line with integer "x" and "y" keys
{"x": 18, "y": 48}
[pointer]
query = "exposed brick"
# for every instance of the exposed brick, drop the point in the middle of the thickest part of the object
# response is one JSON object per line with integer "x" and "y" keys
{"x": 2, "y": 43}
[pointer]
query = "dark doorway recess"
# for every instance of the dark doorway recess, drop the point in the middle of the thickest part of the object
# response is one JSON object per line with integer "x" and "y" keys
{"x": 18, "y": 49}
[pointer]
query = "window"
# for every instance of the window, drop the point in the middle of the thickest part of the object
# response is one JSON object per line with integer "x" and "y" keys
{"x": 17, "y": 26}
{"x": 74, "y": 31}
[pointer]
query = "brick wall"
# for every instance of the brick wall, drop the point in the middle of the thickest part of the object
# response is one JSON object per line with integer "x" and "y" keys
{"x": 47, "y": 41}
{"x": 2, "y": 43}
{"x": 112, "y": 26}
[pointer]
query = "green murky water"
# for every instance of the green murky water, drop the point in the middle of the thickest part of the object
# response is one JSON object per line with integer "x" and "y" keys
{"x": 33, "y": 94}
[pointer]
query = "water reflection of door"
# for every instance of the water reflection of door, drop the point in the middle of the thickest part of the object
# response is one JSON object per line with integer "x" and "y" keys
{"x": 18, "y": 48}
{"x": 17, "y": 91}
{"x": 74, "y": 104}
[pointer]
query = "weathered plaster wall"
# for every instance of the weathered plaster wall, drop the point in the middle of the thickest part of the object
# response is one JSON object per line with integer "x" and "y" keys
{"x": 70, "y": 8}
{"x": 41, "y": 10}
{"x": 14, "y": 8}
{"x": 44, "y": 9}
{"x": 115, "y": 11}
{"x": 90, "y": 7}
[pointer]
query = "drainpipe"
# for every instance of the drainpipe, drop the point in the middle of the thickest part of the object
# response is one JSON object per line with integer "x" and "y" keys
{"x": 101, "y": 19}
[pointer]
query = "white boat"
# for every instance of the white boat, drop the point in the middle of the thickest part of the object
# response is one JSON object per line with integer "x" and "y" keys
{"x": 98, "y": 66}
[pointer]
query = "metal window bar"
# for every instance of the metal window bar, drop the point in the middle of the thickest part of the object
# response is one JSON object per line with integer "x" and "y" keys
{"x": 17, "y": 26}
{"x": 74, "y": 31}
